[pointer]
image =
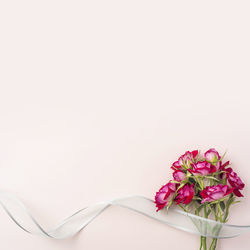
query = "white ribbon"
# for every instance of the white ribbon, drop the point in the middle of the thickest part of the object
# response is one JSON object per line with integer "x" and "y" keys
{"x": 76, "y": 222}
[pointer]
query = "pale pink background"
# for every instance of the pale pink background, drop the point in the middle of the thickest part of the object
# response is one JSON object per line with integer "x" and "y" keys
{"x": 98, "y": 98}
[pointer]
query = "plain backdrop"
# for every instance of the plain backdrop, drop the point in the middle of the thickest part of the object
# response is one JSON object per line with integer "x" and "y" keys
{"x": 98, "y": 98}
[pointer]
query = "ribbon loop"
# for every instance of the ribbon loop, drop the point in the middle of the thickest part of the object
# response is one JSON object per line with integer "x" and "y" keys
{"x": 72, "y": 225}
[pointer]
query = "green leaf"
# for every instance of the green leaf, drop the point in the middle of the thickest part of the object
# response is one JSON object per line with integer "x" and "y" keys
{"x": 191, "y": 180}
{"x": 208, "y": 212}
{"x": 221, "y": 172}
{"x": 222, "y": 157}
{"x": 196, "y": 198}
{"x": 182, "y": 184}
{"x": 217, "y": 201}
{"x": 212, "y": 178}
{"x": 222, "y": 205}
{"x": 231, "y": 199}
{"x": 173, "y": 181}
{"x": 169, "y": 204}
{"x": 234, "y": 202}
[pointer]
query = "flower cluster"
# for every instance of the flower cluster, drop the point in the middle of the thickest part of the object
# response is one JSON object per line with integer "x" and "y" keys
{"x": 200, "y": 178}
{"x": 203, "y": 183}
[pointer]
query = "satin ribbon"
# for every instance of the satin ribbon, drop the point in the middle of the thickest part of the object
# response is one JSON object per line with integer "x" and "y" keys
{"x": 76, "y": 222}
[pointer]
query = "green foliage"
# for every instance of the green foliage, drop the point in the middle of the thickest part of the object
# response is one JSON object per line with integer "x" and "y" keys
{"x": 222, "y": 205}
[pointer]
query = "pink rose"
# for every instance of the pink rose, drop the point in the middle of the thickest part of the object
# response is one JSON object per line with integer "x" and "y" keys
{"x": 185, "y": 159}
{"x": 202, "y": 168}
{"x": 179, "y": 175}
{"x": 213, "y": 193}
{"x": 165, "y": 195}
{"x": 212, "y": 156}
{"x": 185, "y": 194}
{"x": 235, "y": 181}
{"x": 188, "y": 157}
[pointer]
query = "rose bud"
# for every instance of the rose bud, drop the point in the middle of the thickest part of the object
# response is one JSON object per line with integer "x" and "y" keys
{"x": 202, "y": 168}
{"x": 213, "y": 193}
{"x": 235, "y": 181}
{"x": 212, "y": 156}
{"x": 194, "y": 154}
{"x": 165, "y": 195}
{"x": 185, "y": 194}
{"x": 179, "y": 175}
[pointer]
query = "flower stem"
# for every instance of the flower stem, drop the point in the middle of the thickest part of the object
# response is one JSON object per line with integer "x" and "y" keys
{"x": 222, "y": 219}
{"x": 204, "y": 242}
{"x": 204, "y": 239}
{"x": 213, "y": 244}
{"x": 201, "y": 244}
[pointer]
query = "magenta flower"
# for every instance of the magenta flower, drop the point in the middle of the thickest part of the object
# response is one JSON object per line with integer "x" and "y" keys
{"x": 195, "y": 153}
{"x": 212, "y": 156}
{"x": 235, "y": 181}
{"x": 188, "y": 189}
{"x": 179, "y": 175}
{"x": 165, "y": 195}
{"x": 176, "y": 165}
{"x": 185, "y": 194}
{"x": 213, "y": 193}
{"x": 202, "y": 168}
{"x": 188, "y": 157}
{"x": 185, "y": 159}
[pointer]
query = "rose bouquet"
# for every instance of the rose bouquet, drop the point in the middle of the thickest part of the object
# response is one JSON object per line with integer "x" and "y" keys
{"x": 203, "y": 184}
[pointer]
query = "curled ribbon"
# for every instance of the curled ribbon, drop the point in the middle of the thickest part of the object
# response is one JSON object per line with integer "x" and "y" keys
{"x": 76, "y": 222}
